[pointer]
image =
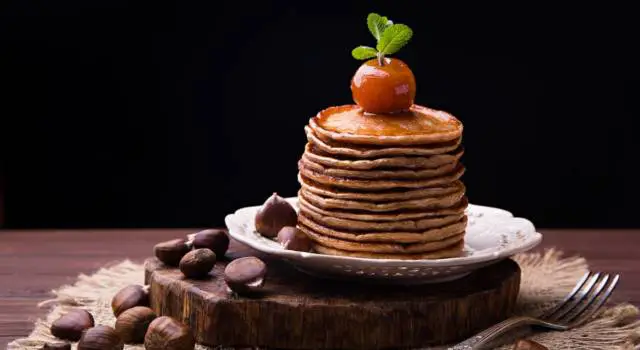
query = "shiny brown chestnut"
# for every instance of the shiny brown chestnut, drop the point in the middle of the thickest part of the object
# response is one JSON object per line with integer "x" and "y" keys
{"x": 132, "y": 324}
{"x": 71, "y": 325}
{"x": 382, "y": 89}
{"x": 292, "y": 238}
{"x": 170, "y": 252}
{"x": 100, "y": 338}
{"x": 166, "y": 333}
{"x": 273, "y": 215}
{"x": 128, "y": 297}
{"x": 245, "y": 275}
{"x": 215, "y": 239}
{"x": 197, "y": 263}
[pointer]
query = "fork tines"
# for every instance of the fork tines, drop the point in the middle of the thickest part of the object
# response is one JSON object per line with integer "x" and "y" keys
{"x": 588, "y": 296}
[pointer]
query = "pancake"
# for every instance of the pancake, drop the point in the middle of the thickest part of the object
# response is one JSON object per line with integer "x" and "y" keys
{"x": 381, "y": 247}
{"x": 371, "y": 238}
{"x": 453, "y": 251}
{"x": 446, "y": 201}
{"x": 316, "y": 155}
{"x": 385, "y": 196}
{"x": 377, "y": 174}
{"x": 381, "y": 184}
{"x": 380, "y": 226}
{"x": 389, "y": 216}
{"x": 370, "y": 151}
{"x": 417, "y": 126}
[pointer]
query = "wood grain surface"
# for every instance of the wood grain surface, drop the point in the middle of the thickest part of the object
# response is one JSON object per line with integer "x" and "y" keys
{"x": 297, "y": 311}
{"x": 32, "y": 263}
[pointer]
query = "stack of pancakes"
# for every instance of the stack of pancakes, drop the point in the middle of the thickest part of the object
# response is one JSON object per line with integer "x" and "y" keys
{"x": 383, "y": 186}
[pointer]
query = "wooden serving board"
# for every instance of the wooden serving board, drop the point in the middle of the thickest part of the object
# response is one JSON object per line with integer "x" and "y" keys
{"x": 297, "y": 311}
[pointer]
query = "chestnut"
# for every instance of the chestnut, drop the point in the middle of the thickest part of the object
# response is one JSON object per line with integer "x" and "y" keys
{"x": 132, "y": 324}
{"x": 245, "y": 275}
{"x": 128, "y": 297}
{"x": 170, "y": 252}
{"x": 386, "y": 88}
{"x": 197, "y": 263}
{"x": 292, "y": 238}
{"x": 71, "y": 325}
{"x": 100, "y": 338}
{"x": 215, "y": 239}
{"x": 166, "y": 333}
{"x": 273, "y": 215}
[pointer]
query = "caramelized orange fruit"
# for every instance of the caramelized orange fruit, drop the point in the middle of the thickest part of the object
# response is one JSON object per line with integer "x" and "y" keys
{"x": 386, "y": 88}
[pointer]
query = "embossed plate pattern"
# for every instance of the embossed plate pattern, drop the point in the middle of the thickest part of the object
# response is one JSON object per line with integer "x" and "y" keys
{"x": 492, "y": 234}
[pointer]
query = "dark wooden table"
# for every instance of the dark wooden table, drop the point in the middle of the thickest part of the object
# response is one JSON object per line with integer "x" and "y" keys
{"x": 32, "y": 263}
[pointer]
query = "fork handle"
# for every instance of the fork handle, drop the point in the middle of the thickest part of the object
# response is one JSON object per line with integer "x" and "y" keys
{"x": 489, "y": 334}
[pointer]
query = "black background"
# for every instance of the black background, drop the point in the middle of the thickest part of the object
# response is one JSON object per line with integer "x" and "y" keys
{"x": 123, "y": 114}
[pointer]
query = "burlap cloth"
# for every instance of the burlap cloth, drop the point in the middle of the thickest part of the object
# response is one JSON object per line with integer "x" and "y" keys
{"x": 546, "y": 278}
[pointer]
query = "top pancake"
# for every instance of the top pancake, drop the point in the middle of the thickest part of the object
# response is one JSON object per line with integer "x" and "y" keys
{"x": 418, "y": 126}
{"x": 375, "y": 151}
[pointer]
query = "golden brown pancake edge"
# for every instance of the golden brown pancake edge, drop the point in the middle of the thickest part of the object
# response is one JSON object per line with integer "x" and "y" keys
{"x": 418, "y": 126}
{"x": 429, "y": 235}
{"x": 453, "y": 251}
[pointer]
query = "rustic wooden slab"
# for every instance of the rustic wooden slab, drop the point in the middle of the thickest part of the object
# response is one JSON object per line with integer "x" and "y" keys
{"x": 297, "y": 311}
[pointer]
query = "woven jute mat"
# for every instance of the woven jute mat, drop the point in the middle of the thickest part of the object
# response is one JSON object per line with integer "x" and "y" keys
{"x": 546, "y": 278}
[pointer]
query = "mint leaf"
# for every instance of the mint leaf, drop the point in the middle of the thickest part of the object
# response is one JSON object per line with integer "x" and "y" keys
{"x": 390, "y": 38}
{"x": 363, "y": 52}
{"x": 377, "y": 24}
{"x": 394, "y": 38}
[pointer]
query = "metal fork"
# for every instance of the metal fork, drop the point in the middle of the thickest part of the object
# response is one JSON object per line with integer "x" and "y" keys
{"x": 586, "y": 298}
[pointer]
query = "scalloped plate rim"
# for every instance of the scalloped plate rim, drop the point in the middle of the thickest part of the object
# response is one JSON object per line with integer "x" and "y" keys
{"x": 530, "y": 243}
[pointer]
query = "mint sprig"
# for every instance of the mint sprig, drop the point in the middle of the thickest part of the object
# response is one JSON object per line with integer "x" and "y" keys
{"x": 394, "y": 38}
{"x": 377, "y": 24}
{"x": 390, "y": 38}
{"x": 364, "y": 52}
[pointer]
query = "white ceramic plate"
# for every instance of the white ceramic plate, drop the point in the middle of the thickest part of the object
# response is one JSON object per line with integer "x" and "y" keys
{"x": 492, "y": 235}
